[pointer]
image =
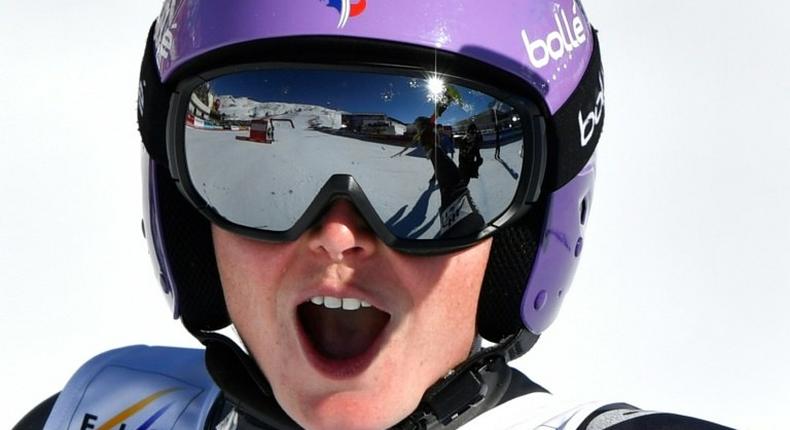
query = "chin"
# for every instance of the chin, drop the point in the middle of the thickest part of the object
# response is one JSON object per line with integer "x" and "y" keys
{"x": 378, "y": 398}
{"x": 359, "y": 410}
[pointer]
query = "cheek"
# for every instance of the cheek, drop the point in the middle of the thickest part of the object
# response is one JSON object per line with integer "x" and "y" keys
{"x": 249, "y": 271}
{"x": 446, "y": 291}
{"x": 239, "y": 257}
{"x": 457, "y": 277}
{"x": 459, "y": 288}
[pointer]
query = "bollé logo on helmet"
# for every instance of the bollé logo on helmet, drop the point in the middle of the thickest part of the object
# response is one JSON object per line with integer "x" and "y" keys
{"x": 553, "y": 46}
{"x": 347, "y": 10}
{"x": 588, "y": 123}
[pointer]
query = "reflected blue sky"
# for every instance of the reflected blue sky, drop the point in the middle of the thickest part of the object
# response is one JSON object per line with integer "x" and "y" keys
{"x": 401, "y": 97}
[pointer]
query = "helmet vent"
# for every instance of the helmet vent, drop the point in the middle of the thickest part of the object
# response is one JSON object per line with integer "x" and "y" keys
{"x": 540, "y": 301}
{"x": 583, "y": 210}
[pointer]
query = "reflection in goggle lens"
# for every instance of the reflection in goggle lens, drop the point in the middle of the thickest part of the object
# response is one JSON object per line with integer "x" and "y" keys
{"x": 435, "y": 159}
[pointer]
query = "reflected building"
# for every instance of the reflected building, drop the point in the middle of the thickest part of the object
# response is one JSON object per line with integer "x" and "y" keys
{"x": 203, "y": 111}
{"x": 373, "y": 123}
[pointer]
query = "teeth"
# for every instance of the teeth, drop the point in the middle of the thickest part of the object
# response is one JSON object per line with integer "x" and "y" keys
{"x": 333, "y": 302}
{"x": 351, "y": 304}
{"x": 346, "y": 303}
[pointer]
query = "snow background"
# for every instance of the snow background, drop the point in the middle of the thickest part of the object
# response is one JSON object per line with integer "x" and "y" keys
{"x": 680, "y": 302}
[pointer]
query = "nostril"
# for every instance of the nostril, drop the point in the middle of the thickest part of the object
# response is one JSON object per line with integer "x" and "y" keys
{"x": 335, "y": 239}
{"x": 338, "y": 253}
{"x": 341, "y": 234}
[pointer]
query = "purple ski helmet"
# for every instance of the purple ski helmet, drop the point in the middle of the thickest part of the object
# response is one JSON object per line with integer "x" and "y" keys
{"x": 548, "y": 46}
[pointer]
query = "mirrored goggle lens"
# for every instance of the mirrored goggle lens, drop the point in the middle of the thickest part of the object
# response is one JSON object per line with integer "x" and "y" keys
{"x": 435, "y": 158}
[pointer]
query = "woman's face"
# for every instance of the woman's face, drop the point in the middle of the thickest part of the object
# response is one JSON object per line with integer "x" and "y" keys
{"x": 403, "y": 321}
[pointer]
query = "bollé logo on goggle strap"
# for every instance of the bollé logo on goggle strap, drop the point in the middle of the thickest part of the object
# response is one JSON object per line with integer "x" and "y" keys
{"x": 588, "y": 123}
{"x": 347, "y": 10}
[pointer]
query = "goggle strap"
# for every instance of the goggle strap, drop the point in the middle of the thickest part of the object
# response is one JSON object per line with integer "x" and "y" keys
{"x": 153, "y": 103}
{"x": 577, "y": 125}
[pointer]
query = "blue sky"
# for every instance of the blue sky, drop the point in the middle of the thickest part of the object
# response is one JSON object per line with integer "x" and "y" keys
{"x": 400, "y": 97}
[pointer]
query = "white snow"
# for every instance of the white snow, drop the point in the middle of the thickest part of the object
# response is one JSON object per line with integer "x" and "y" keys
{"x": 245, "y": 109}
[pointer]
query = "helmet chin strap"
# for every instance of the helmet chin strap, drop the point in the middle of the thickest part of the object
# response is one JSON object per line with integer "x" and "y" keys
{"x": 478, "y": 384}
{"x": 242, "y": 382}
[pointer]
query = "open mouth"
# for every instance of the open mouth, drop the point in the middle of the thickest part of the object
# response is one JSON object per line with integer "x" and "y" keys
{"x": 341, "y": 330}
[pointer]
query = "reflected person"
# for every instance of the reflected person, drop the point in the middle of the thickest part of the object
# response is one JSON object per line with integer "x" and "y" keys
{"x": 469, "y": 158}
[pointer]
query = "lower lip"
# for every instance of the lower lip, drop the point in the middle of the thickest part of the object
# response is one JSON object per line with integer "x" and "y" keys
{"x": 343, "y": 368}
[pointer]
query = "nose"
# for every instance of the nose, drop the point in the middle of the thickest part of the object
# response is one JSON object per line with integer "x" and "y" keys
{"x": 342, "y": 233}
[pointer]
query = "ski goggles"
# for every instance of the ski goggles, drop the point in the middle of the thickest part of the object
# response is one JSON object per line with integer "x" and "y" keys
{"x": 431, "y": 162}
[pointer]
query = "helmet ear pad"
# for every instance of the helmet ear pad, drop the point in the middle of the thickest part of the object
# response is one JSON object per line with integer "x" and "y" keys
{"x": 509, "y": 267}
{"x": 189, "y": 250}
{"x": 532, "y": 262}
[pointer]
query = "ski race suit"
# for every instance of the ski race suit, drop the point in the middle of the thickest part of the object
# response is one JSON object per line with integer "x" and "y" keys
{"x": 142, "y": 388}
